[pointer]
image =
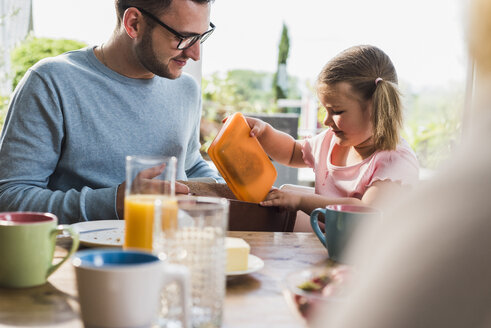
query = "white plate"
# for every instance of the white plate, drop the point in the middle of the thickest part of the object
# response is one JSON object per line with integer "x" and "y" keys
{"x": 105, "y": 238}
{"x": 254, "y": 263}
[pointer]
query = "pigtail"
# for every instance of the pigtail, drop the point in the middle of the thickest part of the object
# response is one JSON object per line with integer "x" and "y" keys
{"x": 387, "y": 115}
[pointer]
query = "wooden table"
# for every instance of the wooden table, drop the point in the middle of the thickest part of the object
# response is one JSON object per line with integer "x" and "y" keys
{"x": 253, "y": 300}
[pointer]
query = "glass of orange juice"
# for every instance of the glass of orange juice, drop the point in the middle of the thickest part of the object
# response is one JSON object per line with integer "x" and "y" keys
{"x": 148, "y": 178}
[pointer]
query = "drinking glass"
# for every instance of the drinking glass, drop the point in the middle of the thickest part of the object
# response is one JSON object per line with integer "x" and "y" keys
{"x": 198, "y": 242}
{"x": 147, "y": 178}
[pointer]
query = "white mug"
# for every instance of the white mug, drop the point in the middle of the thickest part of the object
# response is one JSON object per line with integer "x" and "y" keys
{"x": 119, "y": 288}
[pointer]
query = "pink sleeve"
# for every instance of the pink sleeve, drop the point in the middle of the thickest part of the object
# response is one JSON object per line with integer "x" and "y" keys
{"x": 312, "y": 147}
{"x": 307, "y": 153}
{"x": 400, "y": 165}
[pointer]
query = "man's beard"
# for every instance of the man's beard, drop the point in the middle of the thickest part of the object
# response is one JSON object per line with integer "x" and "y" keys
{"x": 146, "y": 56}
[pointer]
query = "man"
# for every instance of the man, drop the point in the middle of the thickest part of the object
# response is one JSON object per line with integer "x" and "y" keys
{"x": 74, "y": 118}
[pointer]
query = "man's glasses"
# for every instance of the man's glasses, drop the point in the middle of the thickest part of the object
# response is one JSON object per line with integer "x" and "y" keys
{"x": 184, "y": 41}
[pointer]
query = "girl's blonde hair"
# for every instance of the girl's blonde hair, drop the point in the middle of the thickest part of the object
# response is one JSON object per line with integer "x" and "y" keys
{"x": 371, "y": 75}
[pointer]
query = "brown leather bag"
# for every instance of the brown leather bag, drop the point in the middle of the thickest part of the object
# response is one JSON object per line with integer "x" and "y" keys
{"x": 245, "y": 216}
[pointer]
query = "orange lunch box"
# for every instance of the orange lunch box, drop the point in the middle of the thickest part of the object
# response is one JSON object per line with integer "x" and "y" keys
{"x": 241, "y": 160}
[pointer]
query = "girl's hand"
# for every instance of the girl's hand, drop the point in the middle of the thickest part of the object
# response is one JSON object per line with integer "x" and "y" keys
{"x": 257, "y": 126}
{"x": 284, "y": 199}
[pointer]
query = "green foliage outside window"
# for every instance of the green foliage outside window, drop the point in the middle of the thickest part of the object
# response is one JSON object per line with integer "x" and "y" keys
{"x": 3, "y": 109}
{"x": 433, "y": 123}
{"x": 283, "y": 51}
{"x": 29, "y": 52}
{"x": 34, "y": 49}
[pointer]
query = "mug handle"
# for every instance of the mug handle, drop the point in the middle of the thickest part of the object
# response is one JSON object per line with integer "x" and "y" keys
{"x": 180, "y": 275}
{"x": 74, "y": 235}
{"x": 314, "y": 222}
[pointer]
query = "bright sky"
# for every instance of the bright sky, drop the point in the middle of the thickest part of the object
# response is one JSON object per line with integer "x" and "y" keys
{"x": 424, "y": 38}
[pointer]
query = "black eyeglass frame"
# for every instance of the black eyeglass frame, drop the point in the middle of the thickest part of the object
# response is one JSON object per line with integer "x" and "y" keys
{"x": 194, "y": 38}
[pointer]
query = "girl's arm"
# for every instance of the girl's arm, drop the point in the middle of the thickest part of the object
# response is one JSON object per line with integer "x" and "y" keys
{"x": 380, "y": 191}
{"x": 280, "y": 146}
{"x": 306, "y": 202}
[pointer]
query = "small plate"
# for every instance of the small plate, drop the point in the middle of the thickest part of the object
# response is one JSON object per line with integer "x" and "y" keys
{"x": 254, "y": 264}
{"x": 103, "y": 233}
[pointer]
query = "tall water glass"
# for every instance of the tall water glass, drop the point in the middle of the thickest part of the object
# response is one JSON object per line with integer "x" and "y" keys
{"x": 147, "y": 178}
{"x": 199, "y": 244}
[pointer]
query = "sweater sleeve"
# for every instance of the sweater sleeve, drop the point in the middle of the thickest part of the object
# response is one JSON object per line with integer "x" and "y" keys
{"x": 30, "y": 148}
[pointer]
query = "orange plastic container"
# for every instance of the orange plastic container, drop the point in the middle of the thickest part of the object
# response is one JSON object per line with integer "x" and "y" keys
{"x": 241, "y": 161}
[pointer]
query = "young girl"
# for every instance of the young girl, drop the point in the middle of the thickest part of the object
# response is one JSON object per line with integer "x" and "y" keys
{"x": 360, "y": 155}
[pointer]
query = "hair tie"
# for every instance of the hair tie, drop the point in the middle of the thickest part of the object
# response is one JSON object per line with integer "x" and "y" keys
{"x": 377, "y": 80}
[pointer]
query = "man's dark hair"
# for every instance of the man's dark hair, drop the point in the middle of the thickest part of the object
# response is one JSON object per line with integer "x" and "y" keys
{"x": 155, "y": 7}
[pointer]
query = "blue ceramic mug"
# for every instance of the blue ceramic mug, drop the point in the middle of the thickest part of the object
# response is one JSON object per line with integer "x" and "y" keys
{"x": 340, "y": 223}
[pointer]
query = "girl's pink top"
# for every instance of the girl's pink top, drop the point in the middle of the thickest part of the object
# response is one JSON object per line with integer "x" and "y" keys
{"x": 398, "y": 165}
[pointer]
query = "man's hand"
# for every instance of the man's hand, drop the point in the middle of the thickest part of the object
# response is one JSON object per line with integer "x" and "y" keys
{"x": 120, "y": 200}
{"x": 145, "y": 184}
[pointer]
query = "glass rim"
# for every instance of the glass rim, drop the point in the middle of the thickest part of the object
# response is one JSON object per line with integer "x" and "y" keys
{"x": 203, "y": 200}
{"x": 11, "y": 218}
{"x": 197, "y": 203}
{"x": 149, "y": 157}
{"x": 80, "y": 260}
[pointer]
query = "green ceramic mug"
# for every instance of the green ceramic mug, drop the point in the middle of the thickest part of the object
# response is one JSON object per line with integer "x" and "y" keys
{"x": 27, "y": 244}
{"x": 340, "y": 224}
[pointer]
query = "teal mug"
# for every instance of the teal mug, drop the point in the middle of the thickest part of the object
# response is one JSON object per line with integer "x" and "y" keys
{"x": 340, "y": 223}
{"x": 27, "y": 244}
